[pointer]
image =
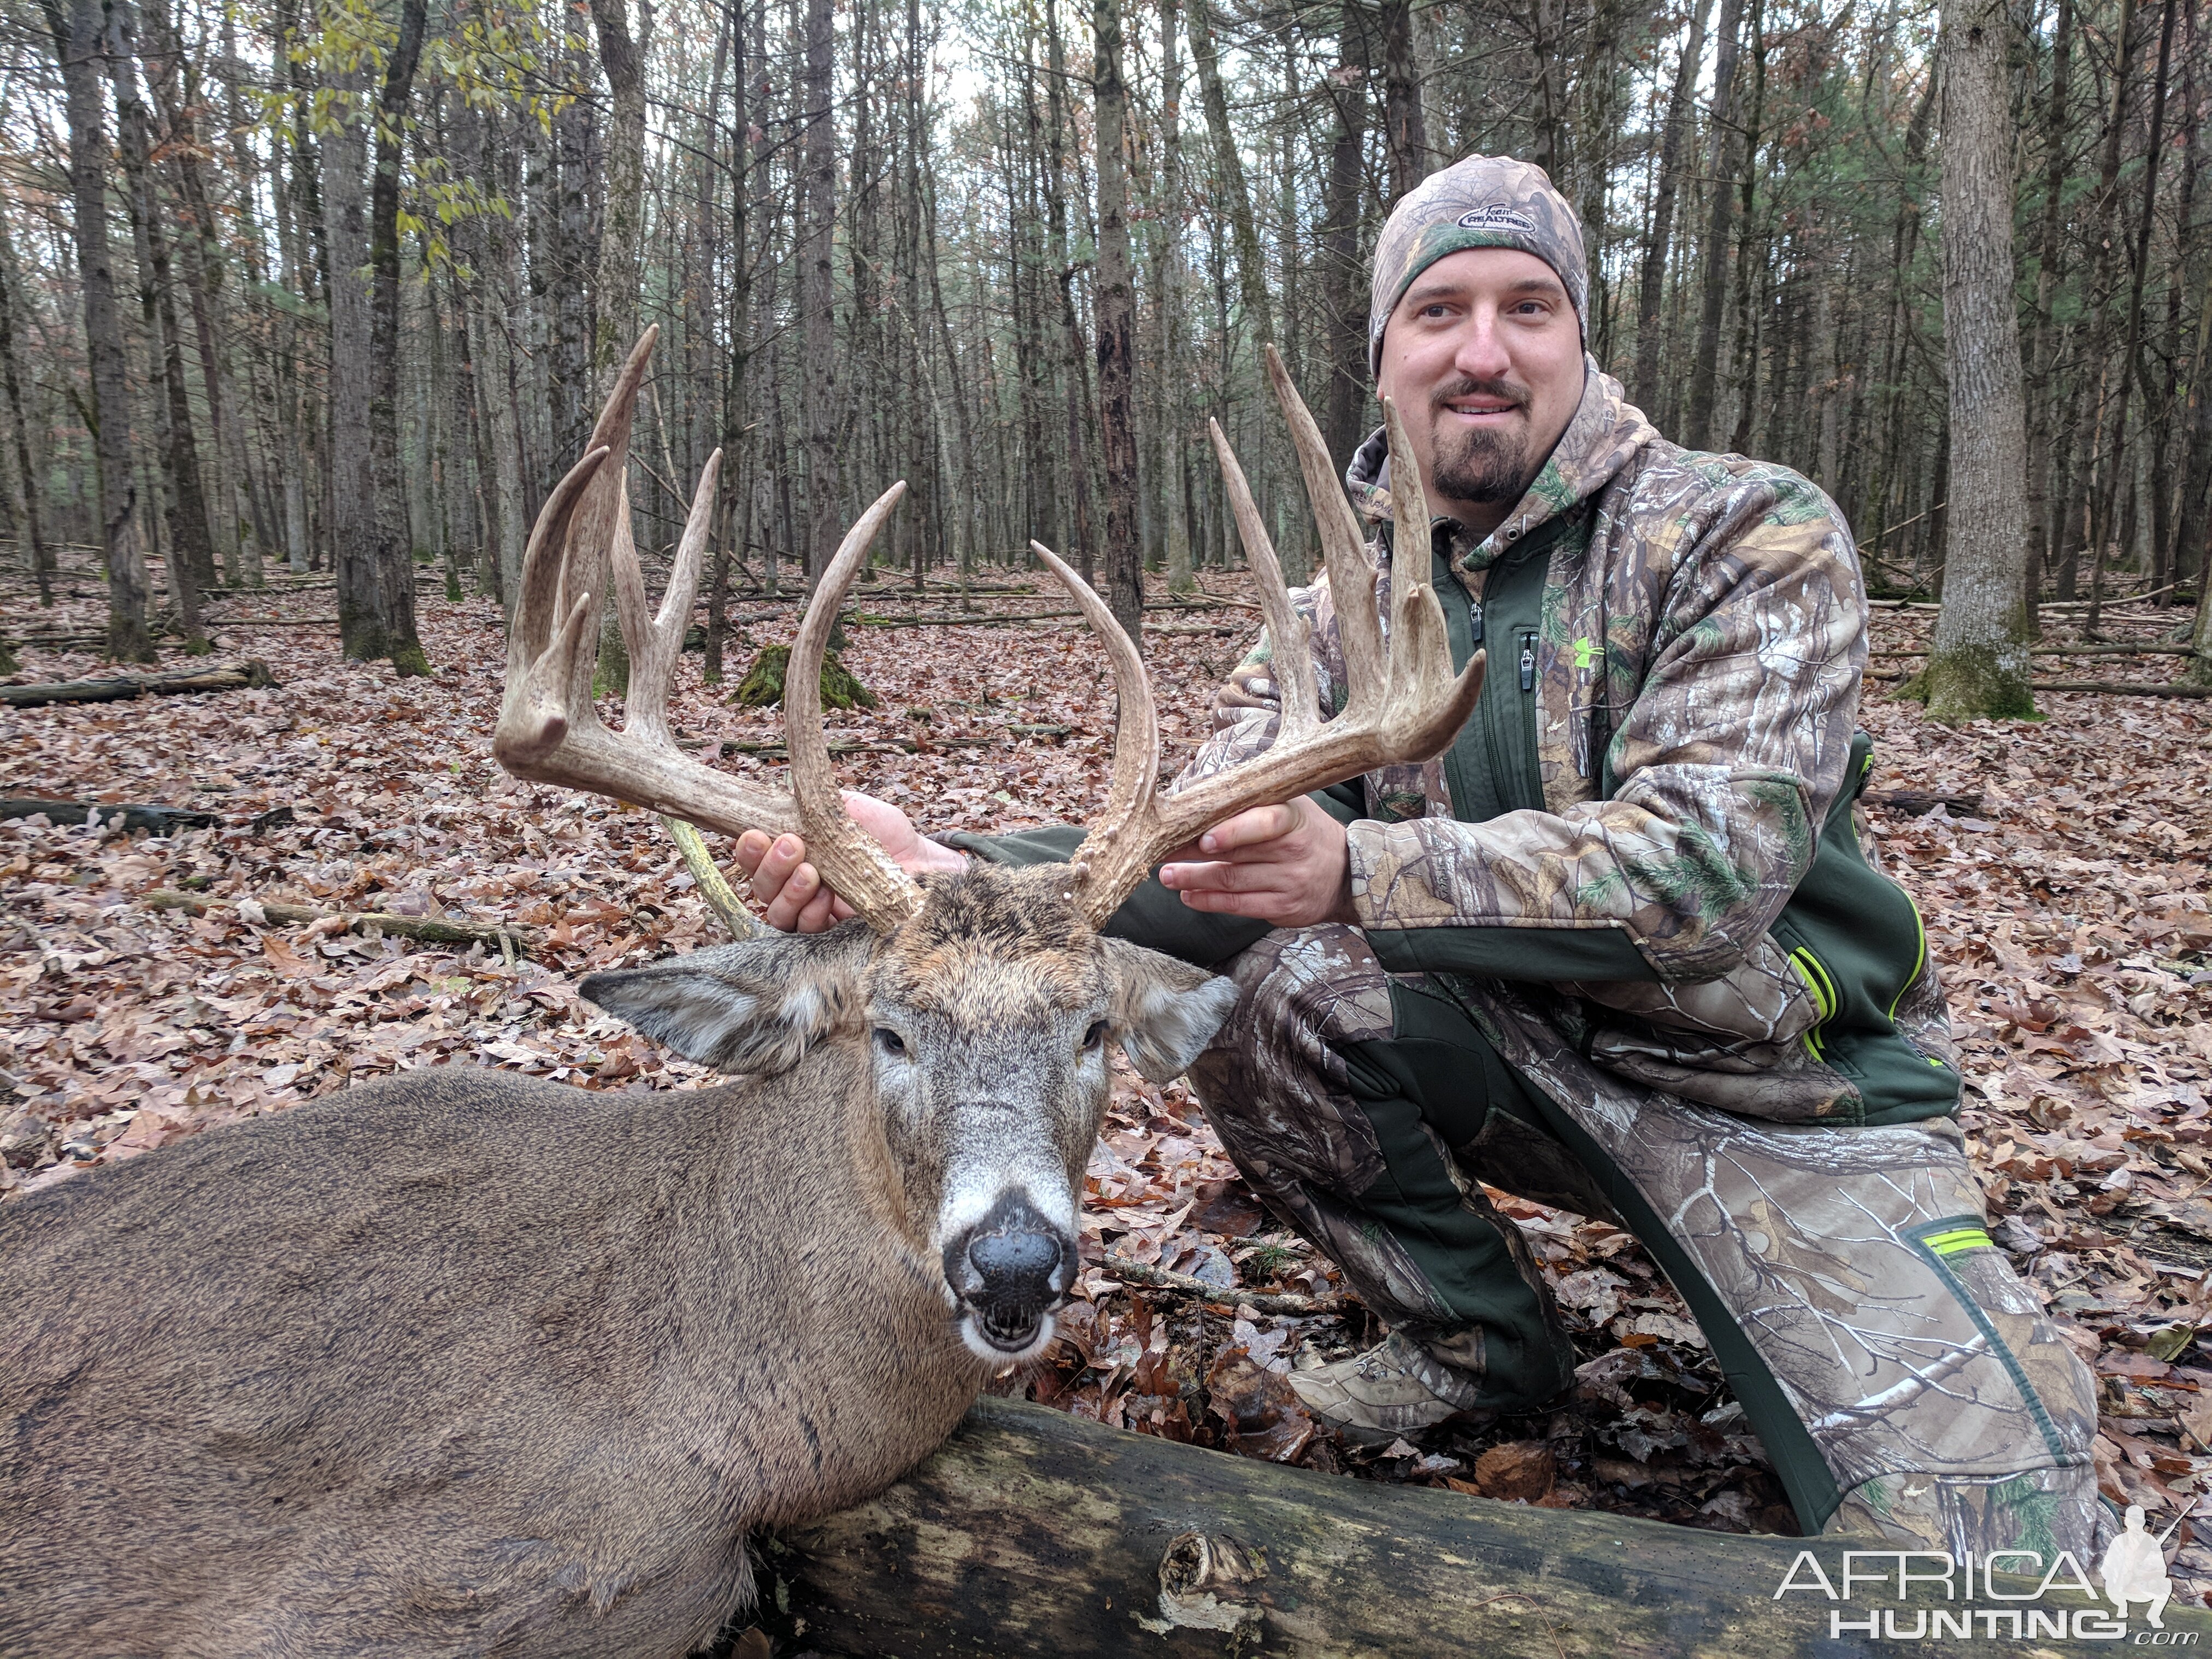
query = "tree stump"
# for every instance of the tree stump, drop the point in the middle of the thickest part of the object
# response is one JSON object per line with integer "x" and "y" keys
{"x": 763, "y": 686}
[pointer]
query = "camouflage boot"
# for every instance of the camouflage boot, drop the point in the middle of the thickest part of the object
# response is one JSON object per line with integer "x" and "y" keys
{"x": 1397, "y": 1387}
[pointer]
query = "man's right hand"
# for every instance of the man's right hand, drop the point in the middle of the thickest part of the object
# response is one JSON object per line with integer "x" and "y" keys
{"x": 792, "y": 889}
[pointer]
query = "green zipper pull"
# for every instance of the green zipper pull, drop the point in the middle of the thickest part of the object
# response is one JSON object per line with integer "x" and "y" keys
{"x": 1528, "y": 662}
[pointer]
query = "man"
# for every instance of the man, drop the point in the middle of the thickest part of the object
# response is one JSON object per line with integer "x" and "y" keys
{"x": 1618, "y": 950}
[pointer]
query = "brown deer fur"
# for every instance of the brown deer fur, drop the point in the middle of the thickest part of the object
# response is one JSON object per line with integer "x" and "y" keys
{"x": 464, "y": 1363}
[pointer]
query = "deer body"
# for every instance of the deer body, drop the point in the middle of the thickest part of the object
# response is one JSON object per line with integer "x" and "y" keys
{"x": 459, "y": 1363}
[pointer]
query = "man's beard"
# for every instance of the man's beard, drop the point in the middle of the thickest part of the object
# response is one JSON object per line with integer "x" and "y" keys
{"x": 1488, "y": 467}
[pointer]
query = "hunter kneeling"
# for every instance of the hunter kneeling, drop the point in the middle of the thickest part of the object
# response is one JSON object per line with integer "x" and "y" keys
{"x": 1618, "y": 949}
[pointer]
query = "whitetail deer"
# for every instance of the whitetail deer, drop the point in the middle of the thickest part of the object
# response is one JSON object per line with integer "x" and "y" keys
{"x": 462, "y": 1363}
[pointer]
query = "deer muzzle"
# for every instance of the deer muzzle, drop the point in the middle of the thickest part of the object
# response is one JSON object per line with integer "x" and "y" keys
{"x": 1010, "y": 1272}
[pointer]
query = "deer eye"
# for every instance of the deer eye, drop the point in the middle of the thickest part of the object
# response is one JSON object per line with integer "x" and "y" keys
{"x": 1095, "y": 1037}
{"x": 889, "y": 1041}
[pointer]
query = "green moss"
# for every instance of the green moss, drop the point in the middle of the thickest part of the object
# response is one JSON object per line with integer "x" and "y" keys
{"x": 763, "y": 686}
{"x": 1972, "y": 683}
{"x": 408, "y": 659}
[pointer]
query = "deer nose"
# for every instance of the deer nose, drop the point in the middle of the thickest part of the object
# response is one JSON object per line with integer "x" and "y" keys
{"x": 1016, "y": 1266}
{"x": 1009, "y": 1271}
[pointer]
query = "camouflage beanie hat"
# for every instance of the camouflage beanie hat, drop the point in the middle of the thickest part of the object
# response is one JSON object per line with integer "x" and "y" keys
{"x": 1483, "y": 201}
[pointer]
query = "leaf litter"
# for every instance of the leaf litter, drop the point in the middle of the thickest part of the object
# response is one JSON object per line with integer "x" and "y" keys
{"x": 2069, "y": 911}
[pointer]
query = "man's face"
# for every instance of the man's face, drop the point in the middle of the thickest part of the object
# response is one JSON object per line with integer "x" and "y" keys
{"x": 1484, "y": 358}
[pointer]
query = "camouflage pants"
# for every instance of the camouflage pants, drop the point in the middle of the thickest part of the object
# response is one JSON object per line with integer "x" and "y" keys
{"x": 1902, "y": 1378}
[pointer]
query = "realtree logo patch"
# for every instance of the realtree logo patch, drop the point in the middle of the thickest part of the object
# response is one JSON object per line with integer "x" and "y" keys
{"x": 1496, "y": 216}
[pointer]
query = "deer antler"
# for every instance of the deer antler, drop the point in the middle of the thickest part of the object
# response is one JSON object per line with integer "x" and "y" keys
{"x": 1403, "y": 702}
{"x": 549, "y": 731}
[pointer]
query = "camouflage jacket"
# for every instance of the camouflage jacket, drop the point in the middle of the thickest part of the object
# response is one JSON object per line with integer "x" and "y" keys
{"x": 1697, "y": 657}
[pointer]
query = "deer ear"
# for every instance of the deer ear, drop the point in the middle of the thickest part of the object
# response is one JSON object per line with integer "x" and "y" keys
{"x": 1166, "y": 1012}
{"x": 755, "y": 1006}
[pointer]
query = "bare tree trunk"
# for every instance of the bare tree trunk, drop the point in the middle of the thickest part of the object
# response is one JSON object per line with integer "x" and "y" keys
{"x": 1705, "y": 364}
{"x": 624, "y": 217}
{"x": 1346, "y": 274}
{"x": 1652, "y": 290}
{"x": 191, "y": 559}
{"x": 1251, "y": 269}
{"x": 77, "y": 45}
{"x": 392, "y": 577}
{"x": 1117, "y": 327}
{"x": 356, "y": 528}
{"x": 817, "y": 288}
{"x": 1405, "y": 122}
{"x": 1979, "y": 666}
{"x": 2130, "y": 359}
{"x": 42, "y": 557}
{"x": 1167, "y": 263}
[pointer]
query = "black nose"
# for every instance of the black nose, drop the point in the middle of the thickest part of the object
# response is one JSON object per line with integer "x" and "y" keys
{"x": 1015, "y": 1267}
{"x": 1011, "y": 1269}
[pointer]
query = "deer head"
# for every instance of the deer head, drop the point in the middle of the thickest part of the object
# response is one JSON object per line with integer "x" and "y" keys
{"x": 976, "y": 1009}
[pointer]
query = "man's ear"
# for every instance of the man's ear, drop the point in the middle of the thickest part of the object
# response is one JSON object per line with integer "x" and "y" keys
{"x": 1166, "y": 1012}
{"x": 755, "y": 1006}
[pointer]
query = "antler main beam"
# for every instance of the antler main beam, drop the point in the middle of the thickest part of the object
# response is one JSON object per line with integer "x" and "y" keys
{"x": 549, "y": 731}
{"x": 1403, "y": 702}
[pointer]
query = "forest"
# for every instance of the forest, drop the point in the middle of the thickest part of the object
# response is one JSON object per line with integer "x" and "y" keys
{"x": 338, "y": 288}
{"x": 307, "y": 306}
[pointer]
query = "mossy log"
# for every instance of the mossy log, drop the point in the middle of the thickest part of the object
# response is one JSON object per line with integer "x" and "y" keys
{"x": 1032, "y": 1532}
{"x": 763, "y": 686}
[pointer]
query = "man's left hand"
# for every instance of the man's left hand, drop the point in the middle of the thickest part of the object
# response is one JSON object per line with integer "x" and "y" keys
{"x": 1286, "y": 864}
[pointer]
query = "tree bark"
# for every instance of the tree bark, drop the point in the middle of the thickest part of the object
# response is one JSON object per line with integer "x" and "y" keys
{"x": 1978, "y": 668}
{"x": 818, "y": 290}
{"x": 1345, "y": 282}
{"x": 1405, "y": 122}
{"x": 77, "y": 45}
{"x": 1117, "y": 327}
{"x": 1712, "y": 300}
{"x": 1031, "y": 1531}
{"x": 42, "y": 557}
{"x": 391, "y": 631}
{"x": 623, "y": 217}
{"x": 1651, "y": 290}
{"x": 1251, "y": 268}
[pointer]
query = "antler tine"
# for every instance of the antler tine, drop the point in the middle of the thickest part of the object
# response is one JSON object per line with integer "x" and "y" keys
{"x": 1290, "y": 636}
{"x": 1343, "y": 551}
{"x": 549, "y": 730}
{"x": 657, "y": 643}
{"x": 1113, "y": 857}
{"x": 1405, "y": 706}
{"x": 849, "y": 858}
{"x": 604, "y": 510}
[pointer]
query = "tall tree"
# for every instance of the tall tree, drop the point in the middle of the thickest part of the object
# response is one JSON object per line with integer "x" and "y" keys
{"x": 1117, "y": 327}
{"x": 1343, "y": 200}
{"x": 18, "y": 419}
{"x": 78, "y": 45}
{"x": 623, "y": 210}
{"x": 1978, "y": 665}
{"x": 1652, "y": 289}
{"x": 817, "y": 288}
{"x": 192, "y": 560}
{"x": 1698, "y": 423}
{"x": 1405, "y": 121}
{"x": 1229, "y": 162}
{"x": 388, "y": 629}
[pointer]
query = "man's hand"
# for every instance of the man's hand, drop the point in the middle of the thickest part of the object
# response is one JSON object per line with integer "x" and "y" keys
{"x": 792, "y": 889}
{"x": 1287, "y": 864}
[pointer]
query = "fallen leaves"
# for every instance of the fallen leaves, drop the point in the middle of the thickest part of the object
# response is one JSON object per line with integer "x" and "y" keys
{"x": 2060, "y": 866}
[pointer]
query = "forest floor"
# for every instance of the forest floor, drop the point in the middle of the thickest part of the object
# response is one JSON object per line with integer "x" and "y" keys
{"x": 2065, "y": 889}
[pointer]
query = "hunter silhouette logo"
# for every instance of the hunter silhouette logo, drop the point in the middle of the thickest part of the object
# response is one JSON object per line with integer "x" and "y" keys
{"x": 2001, "y": 1595}
{"x": 1496, "y": 216}
{"x": 2134, "y": 1569}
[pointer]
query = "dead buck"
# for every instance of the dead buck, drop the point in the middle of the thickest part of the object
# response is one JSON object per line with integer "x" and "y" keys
{"x": 462, "y": 1362}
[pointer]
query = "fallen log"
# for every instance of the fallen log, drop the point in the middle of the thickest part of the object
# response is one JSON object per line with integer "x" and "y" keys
{"x": 121, "y": 687}
{"x": 2122, "y": 687}
{"x": 1033, "y": 1532}
{"x": 1227, "y": 1296}
{"x": 1914, "y": 803}
{"x": 509, "y": 942}
{"x": 162, "y": 820}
